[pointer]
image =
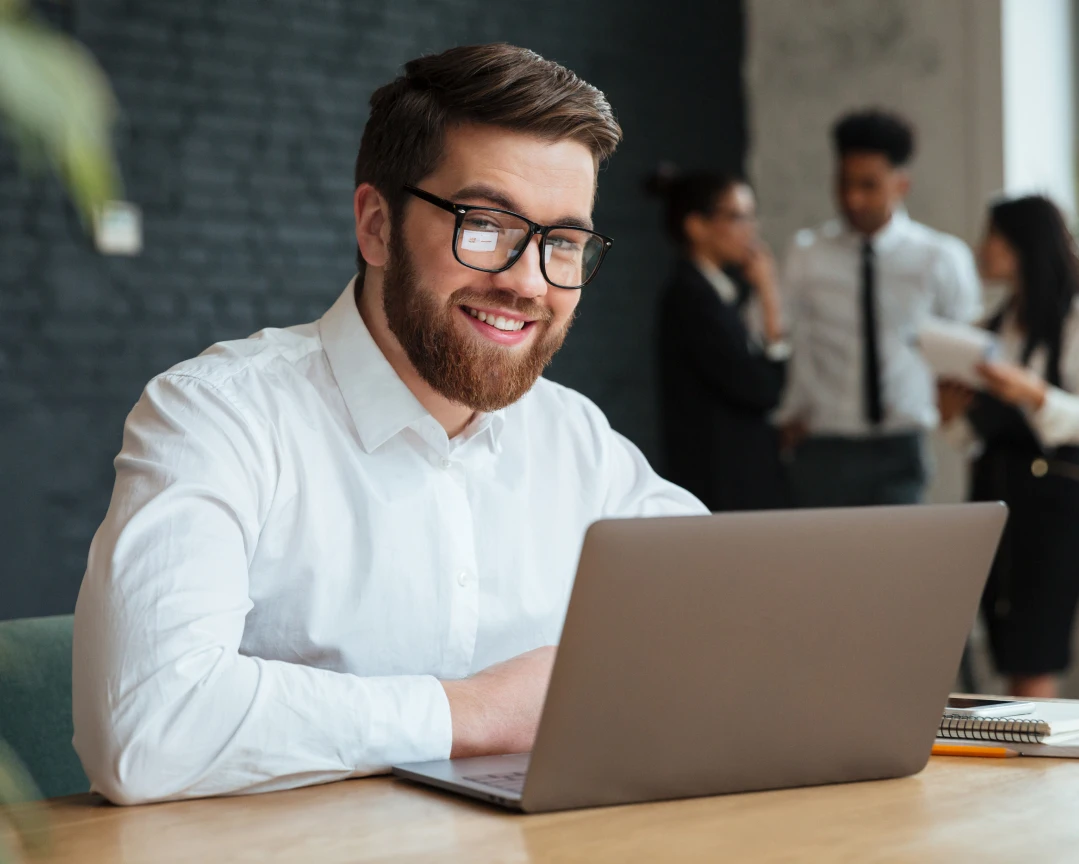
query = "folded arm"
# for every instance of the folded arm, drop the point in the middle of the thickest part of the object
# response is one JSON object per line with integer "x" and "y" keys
{"x": 719, "y": 347}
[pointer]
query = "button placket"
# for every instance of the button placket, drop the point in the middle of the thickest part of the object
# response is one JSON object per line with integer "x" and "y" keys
{"x": 462, "y": 570}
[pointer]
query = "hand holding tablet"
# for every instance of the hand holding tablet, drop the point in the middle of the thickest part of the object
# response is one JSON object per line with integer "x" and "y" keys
{"x": 955, "y": 351}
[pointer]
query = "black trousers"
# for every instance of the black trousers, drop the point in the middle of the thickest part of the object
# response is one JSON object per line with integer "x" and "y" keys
{"x": 859, "y": 472}
{"x": 1031, "y": 597}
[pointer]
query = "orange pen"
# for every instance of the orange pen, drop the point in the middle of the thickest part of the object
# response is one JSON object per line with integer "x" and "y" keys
{"x": 973, "y": 750}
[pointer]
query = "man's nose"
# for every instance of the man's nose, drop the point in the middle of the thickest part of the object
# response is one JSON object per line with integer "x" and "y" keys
{"x": 524, "y": 278}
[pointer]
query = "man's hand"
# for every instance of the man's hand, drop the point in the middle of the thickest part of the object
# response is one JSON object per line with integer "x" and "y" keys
{"x": 953, "y": 400}
{"x": 1014, "y": 384}
{"x": 497, "y": 711}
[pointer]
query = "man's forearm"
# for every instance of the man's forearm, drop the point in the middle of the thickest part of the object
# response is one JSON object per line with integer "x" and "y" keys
{"x": 498, "y": 710}
{"x": 249, "y": 725}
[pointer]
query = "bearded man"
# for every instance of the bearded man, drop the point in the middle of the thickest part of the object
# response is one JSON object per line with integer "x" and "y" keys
{"x": 351, "y": 543}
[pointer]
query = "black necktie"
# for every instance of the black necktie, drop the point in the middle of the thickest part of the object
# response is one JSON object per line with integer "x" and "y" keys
{"x": 874, "y": 407}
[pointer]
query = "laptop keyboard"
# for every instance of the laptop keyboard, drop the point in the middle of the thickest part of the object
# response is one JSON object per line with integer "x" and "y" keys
{"x": 513, "y": 781}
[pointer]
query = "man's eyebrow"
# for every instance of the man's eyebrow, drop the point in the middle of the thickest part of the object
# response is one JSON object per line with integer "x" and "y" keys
{"x": 490, "y": 195}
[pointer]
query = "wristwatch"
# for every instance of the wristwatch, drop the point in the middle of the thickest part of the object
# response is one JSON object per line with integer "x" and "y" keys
{"x": 778, "y": 351}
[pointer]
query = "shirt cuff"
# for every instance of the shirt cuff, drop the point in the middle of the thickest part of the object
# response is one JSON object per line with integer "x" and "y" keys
{"x": 1057, "y": 421}
{"x": 413, "y": 722}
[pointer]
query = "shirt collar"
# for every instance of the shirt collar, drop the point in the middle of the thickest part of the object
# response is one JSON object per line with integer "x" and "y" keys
{"x": 485, "y": 425}
{"x": 719, "y": 280}
{"x": 379, "y": 402}
{"x": 888, "y": 236}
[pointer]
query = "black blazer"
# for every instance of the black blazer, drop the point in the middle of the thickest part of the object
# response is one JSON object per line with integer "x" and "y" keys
{"x": 716, "y": 392}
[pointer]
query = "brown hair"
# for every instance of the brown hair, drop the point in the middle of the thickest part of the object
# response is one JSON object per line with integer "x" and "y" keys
{"x": 497, "y": 84}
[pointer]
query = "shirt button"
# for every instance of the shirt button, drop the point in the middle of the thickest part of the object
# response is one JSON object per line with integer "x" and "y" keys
{"x": 462, "y": 578}
{"x": 446, "y": 463}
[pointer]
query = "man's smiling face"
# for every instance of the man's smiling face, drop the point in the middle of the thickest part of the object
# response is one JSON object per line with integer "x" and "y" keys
{"x": 482, "y": 339}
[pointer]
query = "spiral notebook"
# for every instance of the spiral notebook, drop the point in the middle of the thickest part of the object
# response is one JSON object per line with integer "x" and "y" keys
{"x": 1051, "y": 723}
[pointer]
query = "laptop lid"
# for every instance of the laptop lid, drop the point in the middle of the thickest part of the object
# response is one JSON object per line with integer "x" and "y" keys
{"x": 740, "y": 652}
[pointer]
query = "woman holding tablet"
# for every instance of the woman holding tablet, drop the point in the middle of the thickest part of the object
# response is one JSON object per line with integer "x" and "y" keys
{"x": 1024, "y": 428}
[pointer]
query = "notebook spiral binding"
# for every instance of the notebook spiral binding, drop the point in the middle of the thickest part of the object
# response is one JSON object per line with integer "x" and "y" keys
{"x": 1029, "y": 731}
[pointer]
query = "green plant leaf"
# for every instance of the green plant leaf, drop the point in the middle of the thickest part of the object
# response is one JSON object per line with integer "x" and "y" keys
{"x": 18, "y": 804}
{"x": 58, "y": 107}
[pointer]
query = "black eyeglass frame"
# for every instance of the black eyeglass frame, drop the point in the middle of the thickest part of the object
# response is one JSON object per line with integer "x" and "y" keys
{"x": 461, "y": 210}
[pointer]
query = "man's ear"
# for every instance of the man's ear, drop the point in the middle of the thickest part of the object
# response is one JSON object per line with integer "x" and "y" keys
{"x": 903, "y": 184}
{"x": 372, "y": 213}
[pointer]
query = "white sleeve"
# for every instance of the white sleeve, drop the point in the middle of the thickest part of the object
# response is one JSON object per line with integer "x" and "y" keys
{"x": 165, "y": 705}
{"x": 1056, "y": 423}
{"x": 634, "y": 489}
{"x": 627, "y": 485}
{"x": 957, "y": 288}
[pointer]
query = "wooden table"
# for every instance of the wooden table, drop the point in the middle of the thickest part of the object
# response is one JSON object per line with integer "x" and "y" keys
{"x": 957, "y": 810}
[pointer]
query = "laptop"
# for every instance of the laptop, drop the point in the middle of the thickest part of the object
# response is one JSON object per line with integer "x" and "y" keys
{"x": 742, "y": 652}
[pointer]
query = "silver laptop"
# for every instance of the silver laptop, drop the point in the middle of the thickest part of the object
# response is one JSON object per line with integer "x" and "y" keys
{"x": 740, "y": 652}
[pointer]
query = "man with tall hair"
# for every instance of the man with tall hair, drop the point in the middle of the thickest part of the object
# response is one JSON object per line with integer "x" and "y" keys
{"x": 860, "y": 397}
{"x": 350, "y": 543}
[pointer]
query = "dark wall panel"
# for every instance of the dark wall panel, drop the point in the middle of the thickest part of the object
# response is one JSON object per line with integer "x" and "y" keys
{"x": 241, "y": 120}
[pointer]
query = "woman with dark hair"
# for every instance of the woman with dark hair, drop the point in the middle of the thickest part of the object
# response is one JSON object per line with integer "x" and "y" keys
{"x": 1026, "y": 426}
{"x": 721, "y": 352}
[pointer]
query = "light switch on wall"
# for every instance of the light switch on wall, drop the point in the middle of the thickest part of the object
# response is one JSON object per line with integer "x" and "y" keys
{"x": 118, "y": 229}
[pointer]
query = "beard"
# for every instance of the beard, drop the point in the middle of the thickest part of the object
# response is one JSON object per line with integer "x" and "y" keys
{"x": 461, "y": 368}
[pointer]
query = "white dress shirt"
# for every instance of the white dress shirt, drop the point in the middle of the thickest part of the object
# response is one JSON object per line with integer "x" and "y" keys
{"x": 295, "y": 553}
{"x": 1056, "y": 423}
{"x": 919, "y": 272}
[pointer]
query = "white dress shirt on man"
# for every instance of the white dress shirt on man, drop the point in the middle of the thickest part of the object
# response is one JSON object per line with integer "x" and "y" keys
{"x": 295, "y": 553}
{"x": 919, "y": 272}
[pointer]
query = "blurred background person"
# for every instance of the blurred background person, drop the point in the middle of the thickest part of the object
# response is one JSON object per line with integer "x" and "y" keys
{"x": 722, "y": 353}
{"x": 1025, "y": 426}
{"x": 861, "y": 397}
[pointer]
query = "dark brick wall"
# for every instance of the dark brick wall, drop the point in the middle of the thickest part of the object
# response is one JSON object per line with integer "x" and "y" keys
{"x": 241, "y": 121}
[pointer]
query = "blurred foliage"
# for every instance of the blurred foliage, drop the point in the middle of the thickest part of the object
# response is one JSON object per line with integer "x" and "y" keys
{"x": 57, "y": 106}
{"x": 19, "y": 810}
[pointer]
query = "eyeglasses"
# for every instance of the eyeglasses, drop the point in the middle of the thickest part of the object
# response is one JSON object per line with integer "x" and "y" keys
{"x": 492, "y": 240}
{"x": 738, "y": 217}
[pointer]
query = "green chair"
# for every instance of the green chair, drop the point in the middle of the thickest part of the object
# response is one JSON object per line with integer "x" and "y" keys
{"x": 35, "y": 701}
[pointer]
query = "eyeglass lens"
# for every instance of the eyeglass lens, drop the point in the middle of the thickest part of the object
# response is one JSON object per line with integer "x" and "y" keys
{"x": 489, "y": 240}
